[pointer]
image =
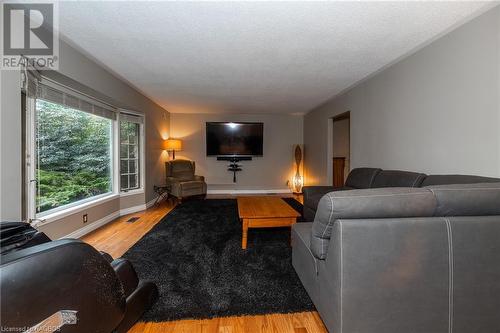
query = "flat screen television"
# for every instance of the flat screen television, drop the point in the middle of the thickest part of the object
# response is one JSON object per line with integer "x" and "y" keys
{"x": 234, "y": 139}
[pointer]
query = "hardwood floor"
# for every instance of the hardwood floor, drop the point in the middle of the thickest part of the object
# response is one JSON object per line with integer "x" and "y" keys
{"x": 305, "y": 322}
{"x": 118, "y": 236}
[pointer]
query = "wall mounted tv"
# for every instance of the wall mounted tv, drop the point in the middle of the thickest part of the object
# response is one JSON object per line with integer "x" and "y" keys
{"x": 235, "y": 139}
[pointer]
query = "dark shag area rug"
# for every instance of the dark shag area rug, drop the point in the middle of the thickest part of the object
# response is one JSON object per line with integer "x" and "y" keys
{"x": 194, "y": 256}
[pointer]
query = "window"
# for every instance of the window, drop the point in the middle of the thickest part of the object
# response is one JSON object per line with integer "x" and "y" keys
{"x": 73, "y": 155}
{"x": 130, "y": 152}
{"x": 71, "y": 152}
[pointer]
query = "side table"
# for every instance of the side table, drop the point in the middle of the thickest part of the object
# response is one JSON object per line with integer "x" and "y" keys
{"x": 162, "y": 191}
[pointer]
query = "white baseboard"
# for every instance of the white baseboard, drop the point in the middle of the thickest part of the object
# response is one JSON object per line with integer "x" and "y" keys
{"x": 105, "y": 220}
{"x": 132, "y": 210}
{"x": 93, "y": 226}
{"x": 235, "y": 192}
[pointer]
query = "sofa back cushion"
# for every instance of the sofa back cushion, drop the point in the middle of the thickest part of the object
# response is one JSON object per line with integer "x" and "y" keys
{"x": 183, "y": 170}
{"x": 396, "y": 178}
{"x": 368, "y": 203}
{"x": 361, "y": 177}
{"x": 456, "y": 179}
{"x": 467, "y": 199}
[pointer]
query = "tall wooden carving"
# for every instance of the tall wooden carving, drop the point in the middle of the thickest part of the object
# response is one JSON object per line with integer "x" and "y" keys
{"x": 298, "y": 178}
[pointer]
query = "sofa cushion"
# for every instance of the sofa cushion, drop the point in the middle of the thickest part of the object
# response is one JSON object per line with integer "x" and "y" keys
{"x": 192, "y": 185}
{"x": 456, "y": 179}
{"x": 183, "y": 176}
{"x": 182, "y": 170}
{"x": 467, "y": 199}
{"x": 368, "y": 203}
{"x": 361, "y": 177}
{"x": 396, "y": 178}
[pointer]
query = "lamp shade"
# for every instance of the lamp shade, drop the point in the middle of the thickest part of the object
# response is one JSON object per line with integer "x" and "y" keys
{"x": 172, "y": 144}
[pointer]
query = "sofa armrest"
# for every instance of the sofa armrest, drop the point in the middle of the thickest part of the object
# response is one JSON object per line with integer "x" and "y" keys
{"x": 142, "y": 298}
{"x": 106, "y": 256}
{"x": 171, "y": 180}
{"x": 199, "y": 178}
{"x": 127, "y": 275}
{"x": 401, "y": 265}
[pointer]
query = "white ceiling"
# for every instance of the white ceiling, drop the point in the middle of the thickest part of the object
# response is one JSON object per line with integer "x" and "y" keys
{"x": 252, "y": 57}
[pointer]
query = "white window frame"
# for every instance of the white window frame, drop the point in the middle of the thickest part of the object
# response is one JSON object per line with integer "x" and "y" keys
{"x": 142, "y": 154}
{"x": 74, "y": 207}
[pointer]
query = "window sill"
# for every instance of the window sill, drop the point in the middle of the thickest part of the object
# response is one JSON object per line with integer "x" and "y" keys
{"x": 55, "y": 216}
{"x": 132, "y": 192}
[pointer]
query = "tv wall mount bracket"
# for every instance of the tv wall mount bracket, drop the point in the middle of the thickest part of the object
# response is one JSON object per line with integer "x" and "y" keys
{"x": 233, "y": 165}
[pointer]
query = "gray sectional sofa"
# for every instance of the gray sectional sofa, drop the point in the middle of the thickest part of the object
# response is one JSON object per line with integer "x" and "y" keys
{"x": 363, "y": 178}
{"x": 404, "y": 259}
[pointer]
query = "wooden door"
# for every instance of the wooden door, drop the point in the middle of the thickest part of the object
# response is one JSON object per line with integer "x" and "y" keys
{"x": 338, "y": 171}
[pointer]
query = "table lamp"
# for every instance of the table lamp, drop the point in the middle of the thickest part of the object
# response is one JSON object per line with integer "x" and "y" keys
{"x": 172, "y": 145}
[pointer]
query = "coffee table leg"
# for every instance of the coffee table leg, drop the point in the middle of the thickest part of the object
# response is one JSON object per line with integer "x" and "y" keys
{"x": 244, "y": 235}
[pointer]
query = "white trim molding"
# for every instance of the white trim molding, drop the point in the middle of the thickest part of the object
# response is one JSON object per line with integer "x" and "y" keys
{"x": 131, "y": 210}
{"x": 92, "y": 226}
{"x": 107, "y": 219}
{"x": 75, "y": 208}
{"x": 236, "y": 192}
{"x": 136, "y": 191}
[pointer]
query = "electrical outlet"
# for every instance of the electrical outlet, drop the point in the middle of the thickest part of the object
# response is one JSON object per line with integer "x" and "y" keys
{"x": 85, "y": 218}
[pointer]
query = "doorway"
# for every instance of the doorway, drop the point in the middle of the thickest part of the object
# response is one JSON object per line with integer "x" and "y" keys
{"x": 340, "y": 149}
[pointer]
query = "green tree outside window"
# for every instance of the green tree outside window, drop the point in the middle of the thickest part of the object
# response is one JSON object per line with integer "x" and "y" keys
{"x": 74, "y": 155}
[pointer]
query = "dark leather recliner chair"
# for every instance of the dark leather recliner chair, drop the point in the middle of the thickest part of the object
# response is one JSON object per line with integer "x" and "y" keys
{"x": 55, "y": 278}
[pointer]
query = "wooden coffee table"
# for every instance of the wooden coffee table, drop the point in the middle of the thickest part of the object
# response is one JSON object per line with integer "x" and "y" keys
{"x": 264, "y": 212}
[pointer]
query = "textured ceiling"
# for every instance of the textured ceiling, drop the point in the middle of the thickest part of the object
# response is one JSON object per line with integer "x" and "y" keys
{"x": 252, "y": 57}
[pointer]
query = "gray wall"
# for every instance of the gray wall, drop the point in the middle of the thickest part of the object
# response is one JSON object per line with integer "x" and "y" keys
{"x": 269, "y": 172}
{"x": 82, "y": 73}
{"x": 436, "y": 111}
{"x": 341, "y": 143}
{"x": 70, "y": 223}
{"x": 76, "y": 66}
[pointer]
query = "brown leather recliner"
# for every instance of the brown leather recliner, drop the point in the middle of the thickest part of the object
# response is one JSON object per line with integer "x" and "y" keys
{"x": 181, "y": 180}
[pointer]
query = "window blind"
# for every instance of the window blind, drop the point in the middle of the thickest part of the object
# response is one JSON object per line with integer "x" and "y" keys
{"x": 131, "y": 117}
{"x": 51, "y": 92}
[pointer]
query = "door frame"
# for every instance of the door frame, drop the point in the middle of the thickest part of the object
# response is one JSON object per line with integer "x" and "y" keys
{"x": 331, "y": 120}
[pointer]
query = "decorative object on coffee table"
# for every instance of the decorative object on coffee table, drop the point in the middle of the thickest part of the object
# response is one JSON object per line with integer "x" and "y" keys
{"x": 172, "y": 145}
{"x": 264, "y": 212}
